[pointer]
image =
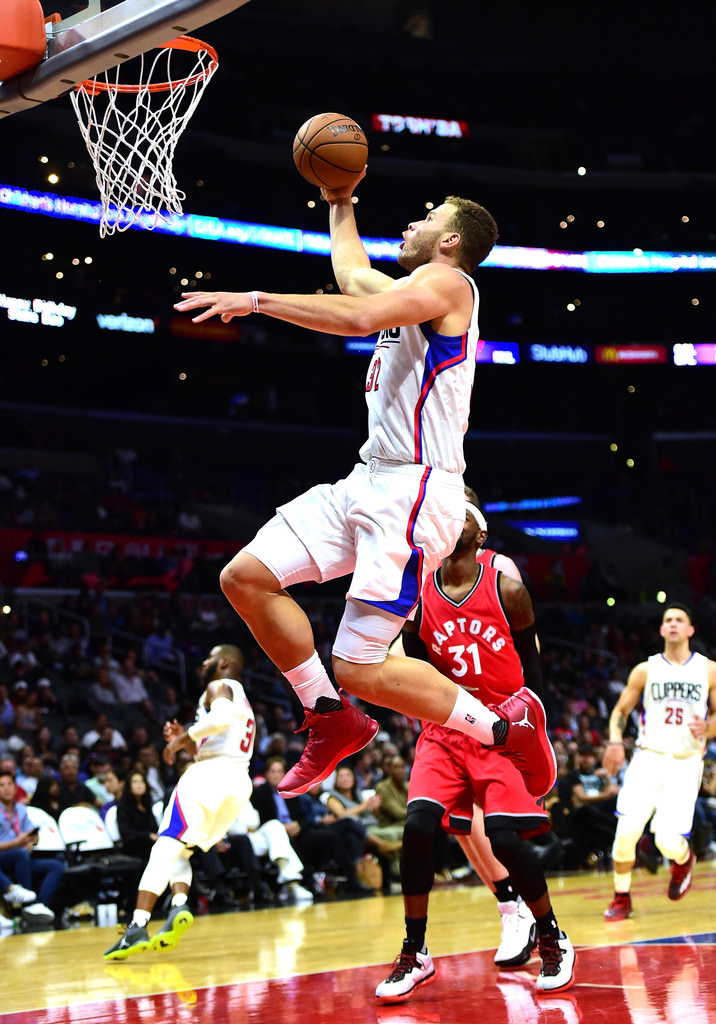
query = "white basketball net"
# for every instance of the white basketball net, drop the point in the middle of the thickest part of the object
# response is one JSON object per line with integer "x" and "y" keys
{"x": 131, "y": 131}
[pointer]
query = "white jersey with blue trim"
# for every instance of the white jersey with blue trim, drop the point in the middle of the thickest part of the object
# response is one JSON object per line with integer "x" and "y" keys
{"x": 672, "y": 695}
{"x": 237, "y": 740}
{"x": 418, "y": 391}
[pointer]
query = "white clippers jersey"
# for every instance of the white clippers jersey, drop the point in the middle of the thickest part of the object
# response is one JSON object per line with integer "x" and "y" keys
{"x": 672, "y": 695}
{"x": 418, "y": 391}
{"x": 237, "y": 741}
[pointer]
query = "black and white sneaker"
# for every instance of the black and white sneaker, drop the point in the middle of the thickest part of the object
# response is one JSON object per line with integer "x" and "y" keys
{"x": 134, "y": 940}
{"x": 177, "y": 922}
{"x": 519, "y": 934}
{"x": 409, "y": 970}
{"x": 558, "y": 958}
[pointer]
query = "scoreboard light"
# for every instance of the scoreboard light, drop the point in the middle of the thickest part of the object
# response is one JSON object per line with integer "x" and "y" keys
{"x": 554, "y": 530}
{"x": 688, "y": 354}
{"x": 629, "y": 355}
{"x": 399, "y": 124}
{"x": 499, "y": 353}
{"x": 538, "y": 353}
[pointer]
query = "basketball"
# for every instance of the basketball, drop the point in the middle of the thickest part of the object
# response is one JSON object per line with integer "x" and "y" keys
{"x": 330, "y": 150}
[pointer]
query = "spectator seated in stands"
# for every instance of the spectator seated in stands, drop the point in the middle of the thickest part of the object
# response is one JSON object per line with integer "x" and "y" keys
{"x": 28, "y": 716}
{"x": 159, "y": 647}
{"x": 344, "y": 800}
{"x": 17, "y": 840}
{"x": 102, "y": 695}
{"x": 135, "y": 817}
{"x": 326, "y": 842}
{"x": 114, "y": 779}
{"x": 47, "y": 796}
{"x": 129, "y": 686}
{"x": 269, "y": 840}
{"x": 31, "y": 770}
{"x": 71, "y": 790}
{"x": 97, "y": 767}
{"x": 593, "y": 797}
{"x": 102, "y": 731}
{"x": 155, "y": 772}
{"x": 9, "y": 764}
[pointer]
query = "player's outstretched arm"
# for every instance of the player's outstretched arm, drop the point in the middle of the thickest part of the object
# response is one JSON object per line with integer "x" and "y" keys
{"x": 431, "y": 292}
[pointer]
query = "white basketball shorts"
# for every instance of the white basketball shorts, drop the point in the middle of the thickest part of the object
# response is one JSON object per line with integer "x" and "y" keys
{"x": 207, "y": 799}
{"x": 661, "y": 784}
{"x": 389, "y": 524}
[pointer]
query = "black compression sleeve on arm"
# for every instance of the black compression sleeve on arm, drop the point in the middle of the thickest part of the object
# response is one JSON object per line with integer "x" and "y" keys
{"x": 414, "y": 647}
{"x": 526, "y": 646}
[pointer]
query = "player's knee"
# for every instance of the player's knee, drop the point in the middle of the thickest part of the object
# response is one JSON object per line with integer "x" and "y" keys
{"x": 355, "y": 678}
{"x": 420, "y": 827}
{"x": 624, "y": 847}
{"x": 504, "y": 843}
{"x": 671, "y": 845}
{"x": 242, "y": 579}
{"x": 416, "y": 855}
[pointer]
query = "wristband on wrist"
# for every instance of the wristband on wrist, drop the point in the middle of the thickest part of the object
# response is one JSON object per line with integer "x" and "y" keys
{"x": 614, "y": 743}
{"x": 255, "y": 302}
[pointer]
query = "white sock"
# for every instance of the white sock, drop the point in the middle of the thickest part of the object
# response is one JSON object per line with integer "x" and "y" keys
{"x": 469, "y": 715}
{"x": 622, "y": 882}
{"x": 141, "y": 917}
{"x": 179, "y": 899}
{"x": 310, "y": 681}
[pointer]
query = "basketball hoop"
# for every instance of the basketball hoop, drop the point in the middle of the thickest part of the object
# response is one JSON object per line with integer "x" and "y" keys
{"x": 131, "y": 130}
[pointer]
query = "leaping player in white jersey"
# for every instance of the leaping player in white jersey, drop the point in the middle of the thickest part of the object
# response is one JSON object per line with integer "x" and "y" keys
{"x": 677, "y": 689}
{"x": 206, "y": 800}
{"x": 401, "y": 509}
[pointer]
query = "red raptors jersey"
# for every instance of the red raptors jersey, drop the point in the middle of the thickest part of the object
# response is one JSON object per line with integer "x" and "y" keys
{"x": 470, "y": 641}
{"x": 485, "y": 556}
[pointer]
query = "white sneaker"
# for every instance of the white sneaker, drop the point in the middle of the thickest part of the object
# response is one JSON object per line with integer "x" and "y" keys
{"x": 6, "y": 924}
{"x": 558, "y": 958}
{"x": 299, "y": 894}
{"x": 519, "y": 934}
{"x": 38, "y": 912}
{"x": 409, "y": 970}
{"x": 18, "y": 896}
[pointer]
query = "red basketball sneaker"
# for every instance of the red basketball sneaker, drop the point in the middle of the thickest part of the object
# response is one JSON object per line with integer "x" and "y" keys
{"x": 681, "y": 878}
{"x": 527, "y": 744}
{"x": 332, "y": 736}
{"x": 620, "y": 908}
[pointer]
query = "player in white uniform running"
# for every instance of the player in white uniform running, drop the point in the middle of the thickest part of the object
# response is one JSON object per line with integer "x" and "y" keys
{"x": 206, "y": 800}
{"x": 677, "y": 689}
{"x": 401, "y": 509}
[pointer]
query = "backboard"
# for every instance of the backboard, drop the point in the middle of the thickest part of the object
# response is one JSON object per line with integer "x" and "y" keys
{"x": 102, "y": 35}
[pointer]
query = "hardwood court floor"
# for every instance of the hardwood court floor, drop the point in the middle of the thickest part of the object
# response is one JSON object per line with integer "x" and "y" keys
{"x": 321, "y": 964}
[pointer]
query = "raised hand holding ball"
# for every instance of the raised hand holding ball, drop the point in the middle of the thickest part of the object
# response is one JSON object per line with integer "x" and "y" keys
{"x": 330, "y": 150}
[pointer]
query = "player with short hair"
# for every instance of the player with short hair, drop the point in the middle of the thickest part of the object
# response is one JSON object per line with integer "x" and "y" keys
{"x": 677, "y": 690}
{"x": 206, "y": 800}
{"x": 476, "y": 625}
{"x": 400, "y": 510}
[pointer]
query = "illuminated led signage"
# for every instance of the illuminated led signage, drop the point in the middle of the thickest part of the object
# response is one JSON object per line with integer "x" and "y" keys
{"x": 499, "y": 353}
{"x": 630, "y": 354}
{"x": 398, "y": 124}
{"x": 688, "y": 354}
{"x": 558, "y": 354}
{"x": 123, "y": 322}
{"x": 547, "y": 529}
{"x": 37, "y": 311}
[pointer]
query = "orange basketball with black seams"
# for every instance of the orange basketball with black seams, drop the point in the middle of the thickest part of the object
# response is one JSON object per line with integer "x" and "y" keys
{"x": 329, "y": 150}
